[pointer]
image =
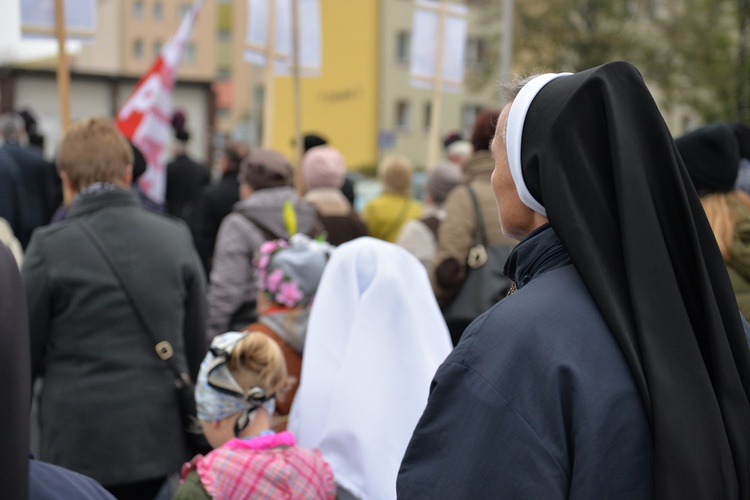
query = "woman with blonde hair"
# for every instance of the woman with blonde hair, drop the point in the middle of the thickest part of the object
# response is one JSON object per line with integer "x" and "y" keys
{"x": 239, "y": 381}
{"x": 386, "y": 214}
{"x": 712, "y": 156}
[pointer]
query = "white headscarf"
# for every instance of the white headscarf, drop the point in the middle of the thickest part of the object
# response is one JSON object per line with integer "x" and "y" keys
{"x": 514, "y": 131}
{"x": 374, "y": 341}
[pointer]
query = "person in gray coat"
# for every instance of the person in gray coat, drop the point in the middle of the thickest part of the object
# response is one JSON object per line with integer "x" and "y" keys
{"x": 109, "y": 407}
{"x": 265, "y": 188}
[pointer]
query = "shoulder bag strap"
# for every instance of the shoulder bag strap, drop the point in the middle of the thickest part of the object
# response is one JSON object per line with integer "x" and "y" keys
{"x": 478, "y": 252}
{"x": 400, "y": 217}
{"x": 163, "y": 348}
{"x": 268, "y": 233}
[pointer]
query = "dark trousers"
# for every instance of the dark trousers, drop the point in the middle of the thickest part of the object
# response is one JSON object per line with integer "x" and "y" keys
{"x": 142, "y": 490}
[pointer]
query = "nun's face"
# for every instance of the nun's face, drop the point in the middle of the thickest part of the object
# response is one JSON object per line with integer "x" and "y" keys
{"x": 516, "y": 219}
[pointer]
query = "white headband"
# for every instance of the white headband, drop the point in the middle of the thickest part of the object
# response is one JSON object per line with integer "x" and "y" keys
{"x": 514, "y": 131}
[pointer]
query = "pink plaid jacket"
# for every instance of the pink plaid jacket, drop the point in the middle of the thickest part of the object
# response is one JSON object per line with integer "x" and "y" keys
{"x": 265, "y": 467}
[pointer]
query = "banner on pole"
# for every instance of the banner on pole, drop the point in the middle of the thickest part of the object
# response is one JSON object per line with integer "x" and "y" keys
{"x": 38, "y": 19}
{"x": 424, "y": 56}
{"x": 146, "y": 116}
{"x": 258, "y": 32}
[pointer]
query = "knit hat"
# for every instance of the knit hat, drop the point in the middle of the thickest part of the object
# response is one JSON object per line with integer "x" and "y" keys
{"x": 323, "y": 166}
{"x": 460, "y": 149}
{"x": 712, "y": 156}
{"x": 289, "y": 272}
{"x": 742, "y": 132}
{"x": 450, "y": 138}
{"x": 310, "y": 141}
{"x": 441, "y": 180}
{"x": 264, "y": 168}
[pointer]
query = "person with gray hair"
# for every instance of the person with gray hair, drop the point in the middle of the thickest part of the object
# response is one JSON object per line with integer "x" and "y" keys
{"x": 36, "y": 179}
{"x": 419, "y": 236}
{"x": 618, "y": 367}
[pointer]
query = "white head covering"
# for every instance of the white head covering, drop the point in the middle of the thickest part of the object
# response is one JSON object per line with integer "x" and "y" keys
{"x": 375, "y": 339}
{"x": 514, "y": 131}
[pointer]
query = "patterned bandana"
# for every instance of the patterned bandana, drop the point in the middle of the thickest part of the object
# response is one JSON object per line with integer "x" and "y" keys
{"x": 217, "y": 393}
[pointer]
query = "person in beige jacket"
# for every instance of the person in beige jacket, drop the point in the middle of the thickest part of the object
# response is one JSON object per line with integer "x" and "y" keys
{"x": 456, "y": 232}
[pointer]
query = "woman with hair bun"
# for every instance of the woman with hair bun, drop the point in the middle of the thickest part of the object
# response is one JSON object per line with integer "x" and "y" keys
{"x": 238, "y": 383}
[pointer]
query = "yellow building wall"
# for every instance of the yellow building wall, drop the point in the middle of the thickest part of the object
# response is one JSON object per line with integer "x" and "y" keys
{"x": 341, "y": 103}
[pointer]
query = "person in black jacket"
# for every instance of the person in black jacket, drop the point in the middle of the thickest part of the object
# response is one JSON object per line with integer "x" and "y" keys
{"x": 216, "y": 201}
{"x": 99, "y": 286}
{"x": 37, "y": 177}
{"x": 185, "y": 177}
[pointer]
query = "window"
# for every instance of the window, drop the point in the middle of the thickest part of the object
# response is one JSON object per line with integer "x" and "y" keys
{"x": 189, "y": 56}
{"x": 157, "y": 47}
{"x": 138, "y": 9}
{"x": 476, "y": 52}
{"x": 403, "y": 46}
{"x": 427, "y": 115}
{"x": 224, "y": 36}
{"x": 469, "y": 114}
{"x": 137, "y": 48}
{"x": 402, "y": 115}
{"x": 158, "y": 11}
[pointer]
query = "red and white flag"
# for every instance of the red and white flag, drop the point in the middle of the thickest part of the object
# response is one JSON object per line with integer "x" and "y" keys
{"x": 146, "y": 116}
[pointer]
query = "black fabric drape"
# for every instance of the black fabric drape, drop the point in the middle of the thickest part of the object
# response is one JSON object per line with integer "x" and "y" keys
{"x": 597, "y": 154}
{"x": 15, "y": 374}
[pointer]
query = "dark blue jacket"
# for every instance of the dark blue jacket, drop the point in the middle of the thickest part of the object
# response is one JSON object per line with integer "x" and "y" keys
{"x": 38, "y": 179}
{"x": 536, "y": 401}
{"x": 50, "y": 482}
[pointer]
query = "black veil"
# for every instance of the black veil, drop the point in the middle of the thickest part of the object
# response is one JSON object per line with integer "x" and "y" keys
{"x": 598, "y": 156}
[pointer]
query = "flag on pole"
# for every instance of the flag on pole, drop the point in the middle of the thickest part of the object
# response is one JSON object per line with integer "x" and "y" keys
{"x": 258, "y": 29}
{"x": 146, "y": 116}
{"x": 428, "y": 15}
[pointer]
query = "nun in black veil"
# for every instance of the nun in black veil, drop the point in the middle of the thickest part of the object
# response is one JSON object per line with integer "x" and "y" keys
{"x": 620, "y": 366}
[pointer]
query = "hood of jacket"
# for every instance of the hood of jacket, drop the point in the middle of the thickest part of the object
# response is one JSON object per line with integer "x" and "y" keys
{"x": 266, "y": 206}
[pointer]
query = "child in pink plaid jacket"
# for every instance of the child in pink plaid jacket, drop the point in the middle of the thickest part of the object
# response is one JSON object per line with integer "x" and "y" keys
{"x": 235, "y": 394}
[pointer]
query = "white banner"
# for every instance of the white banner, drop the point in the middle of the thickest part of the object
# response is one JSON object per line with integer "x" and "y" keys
{"x": 38, "y": 19}
{"x": 424, "y": 45}
{"x": 258, "y": 31}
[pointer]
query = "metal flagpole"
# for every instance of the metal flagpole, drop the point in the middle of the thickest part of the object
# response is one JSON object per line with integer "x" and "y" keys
{"x": 63, "y": 72}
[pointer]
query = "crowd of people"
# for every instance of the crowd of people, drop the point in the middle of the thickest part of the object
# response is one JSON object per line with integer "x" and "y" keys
{"x": 247, "y": 341}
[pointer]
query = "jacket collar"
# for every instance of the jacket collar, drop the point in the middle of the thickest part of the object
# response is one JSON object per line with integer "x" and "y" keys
{"x": 539, "y": 252}
{"x": 479, "y": 166}
{"x": 92, "y": 202}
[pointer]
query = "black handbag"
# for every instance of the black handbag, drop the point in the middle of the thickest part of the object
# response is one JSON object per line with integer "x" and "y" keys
{"x": 194, "y": 437}
{"x": 484, "y": 285}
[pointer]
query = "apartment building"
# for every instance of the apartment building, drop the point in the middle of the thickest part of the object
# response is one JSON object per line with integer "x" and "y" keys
{"x": 129, "y": 35}
{"x": 362, "y": 100}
